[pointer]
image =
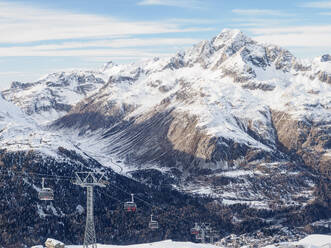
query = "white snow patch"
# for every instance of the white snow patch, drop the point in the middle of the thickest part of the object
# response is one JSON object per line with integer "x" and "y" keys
{"x": 311, "y": 241}
{"x": 161, "y": 244}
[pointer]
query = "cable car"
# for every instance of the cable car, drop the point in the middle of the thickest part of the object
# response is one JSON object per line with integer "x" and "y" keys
{"x": 195, "y": 230}
{"x": 130, "y": 206}
{"x": 45, "y": 194}
{"x": 153, "y": 224}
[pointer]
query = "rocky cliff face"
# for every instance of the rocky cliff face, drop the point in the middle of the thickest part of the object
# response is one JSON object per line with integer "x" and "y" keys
{"x": 244, "y": 123}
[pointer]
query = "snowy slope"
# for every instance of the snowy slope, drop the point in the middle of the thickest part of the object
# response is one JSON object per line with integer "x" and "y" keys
{"x": 162, "y": 244}
{"x": 19, "y": 132}
{"x": 311, "y": 241}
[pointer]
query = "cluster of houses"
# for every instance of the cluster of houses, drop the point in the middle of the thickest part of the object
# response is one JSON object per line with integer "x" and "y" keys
{"x": 258, "y": 239}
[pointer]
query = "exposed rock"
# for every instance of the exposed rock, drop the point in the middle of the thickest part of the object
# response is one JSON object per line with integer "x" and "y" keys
{"x": 326, "y": 57}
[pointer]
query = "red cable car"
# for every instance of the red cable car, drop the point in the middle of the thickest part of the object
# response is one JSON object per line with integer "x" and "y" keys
{"x": 130, "y": 206}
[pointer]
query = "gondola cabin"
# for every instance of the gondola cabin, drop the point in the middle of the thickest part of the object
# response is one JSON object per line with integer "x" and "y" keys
{"x": 45, "y": 194}
{"x": 130, "y": 206}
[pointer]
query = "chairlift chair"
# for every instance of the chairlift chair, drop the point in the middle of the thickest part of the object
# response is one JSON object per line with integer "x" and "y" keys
{"x": 45, "y": 194}
{"x": 153, "y": 224}
{"x": 130, "y": 206}
{"x": 196, "y": 229}
{"x": 208, "y": 226}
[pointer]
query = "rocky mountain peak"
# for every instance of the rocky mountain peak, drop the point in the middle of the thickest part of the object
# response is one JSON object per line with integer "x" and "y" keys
{"x": 237, "y": 54}
{"x": 108, "y": 65}
{"x": 19, "y": 85}
{"x": 326, "y": 58}
{"x": 231, "y": 37}
{"x": 54, "y": 94}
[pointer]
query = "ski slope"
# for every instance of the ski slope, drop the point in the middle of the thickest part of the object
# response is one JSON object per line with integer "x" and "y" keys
{"x": 311, "y": 241}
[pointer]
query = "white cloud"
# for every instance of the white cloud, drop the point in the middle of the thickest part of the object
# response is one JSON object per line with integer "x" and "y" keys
{"x": 121, "y": 43}
{"x": 293, "y": 29}
{"x": 325, "y": 13}
{"x": 263, "y": 21}
{"x": 193, "y": 21}
{"x": 255, "y": 12}
{"x": 100, "y": 48}
{"x": 6, "y": 73}
{"x": 174, "y": 3}
{"x": 295, "y": 36}
{"x": 41, "y": 51}
{"x": 21, "y": 23}
{"x": 318, "y": 5}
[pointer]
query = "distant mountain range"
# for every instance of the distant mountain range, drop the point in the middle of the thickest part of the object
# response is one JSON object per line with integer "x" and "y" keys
{"x": 231, "y": 123}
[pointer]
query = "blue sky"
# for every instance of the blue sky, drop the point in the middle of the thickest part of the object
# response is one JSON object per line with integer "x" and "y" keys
{"x": 42, "y": 36}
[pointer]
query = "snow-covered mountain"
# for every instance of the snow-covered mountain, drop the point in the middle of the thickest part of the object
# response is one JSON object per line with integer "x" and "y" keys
{"x": 230, "y": 107}
{"x": 20, "y": 132}
{"x": 232, "y": 119}
{"x": 228, "y": 94}
{"x": 54, "y": 95}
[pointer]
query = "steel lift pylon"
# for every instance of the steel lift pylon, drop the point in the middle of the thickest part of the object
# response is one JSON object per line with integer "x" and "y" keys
{"x": 89, "y": 180}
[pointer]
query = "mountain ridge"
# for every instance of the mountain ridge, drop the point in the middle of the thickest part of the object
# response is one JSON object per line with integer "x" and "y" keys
{"x": 233, "y": 120}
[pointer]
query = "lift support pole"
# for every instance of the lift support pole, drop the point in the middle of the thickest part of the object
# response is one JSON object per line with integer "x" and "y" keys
{"x": 89, "y": 180}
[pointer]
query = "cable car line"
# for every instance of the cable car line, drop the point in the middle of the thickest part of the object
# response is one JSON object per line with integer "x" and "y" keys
{"x": 153, "y": 224}
{"x": 25, "y": 176}
{"x": 108, "y": 195}
{"x": 113, "y": 185}
{"x": 56, "y": 177}
{"x": 38, "y": 174}
{"x": 48, "y": 193}
{"x": 152, "y": 205}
